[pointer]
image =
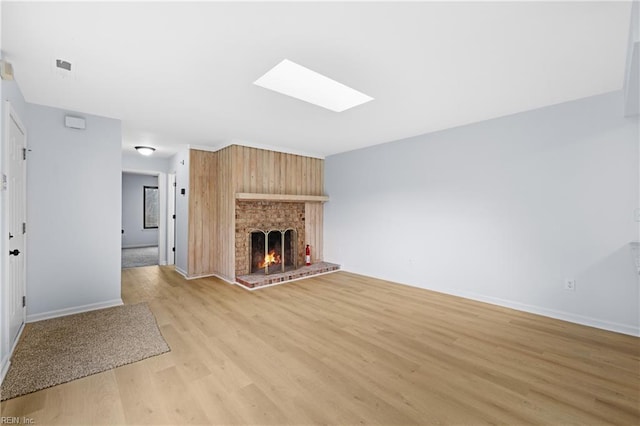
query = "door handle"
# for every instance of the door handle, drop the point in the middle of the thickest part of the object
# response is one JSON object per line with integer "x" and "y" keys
{"x": 14, "y": 252}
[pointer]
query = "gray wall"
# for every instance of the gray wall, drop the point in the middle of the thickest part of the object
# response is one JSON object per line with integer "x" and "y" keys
{"x": 132, "y": 161}
{"x": 132, "y": 211}
{"x": 501, "y": 211}
{"x": 179, "y": 164}
{"x": 74, "y": 213}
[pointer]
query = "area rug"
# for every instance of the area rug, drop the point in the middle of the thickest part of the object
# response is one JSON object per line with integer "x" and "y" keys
{"x": 59, "y": 350}
{"x": 139, "y": 256}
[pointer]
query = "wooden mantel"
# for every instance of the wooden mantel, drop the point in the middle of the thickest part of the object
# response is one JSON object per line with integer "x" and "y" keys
{"x": 281, "y": 197}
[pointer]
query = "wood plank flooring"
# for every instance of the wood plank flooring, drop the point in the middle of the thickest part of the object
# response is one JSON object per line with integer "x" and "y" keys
{"x": 343, "y": 349}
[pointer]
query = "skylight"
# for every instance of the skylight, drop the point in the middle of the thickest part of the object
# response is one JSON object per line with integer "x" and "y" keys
{"x": 302, "y": 83}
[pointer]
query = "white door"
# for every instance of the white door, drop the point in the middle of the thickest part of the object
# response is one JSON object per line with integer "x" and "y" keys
{"x": 16, "y": 218}
{"x": 171, "y": 213}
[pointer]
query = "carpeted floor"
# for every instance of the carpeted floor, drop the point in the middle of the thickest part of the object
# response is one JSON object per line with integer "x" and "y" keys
{"x": 59, "y": 350}
{"x": 142, "y": 256}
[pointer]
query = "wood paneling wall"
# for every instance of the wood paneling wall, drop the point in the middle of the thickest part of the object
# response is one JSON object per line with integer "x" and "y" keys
{"x": 313, "y": 229}
{"x": 217, "y": 176}
{"x": 202, "y": 212}
{"x": 269, "y": 172}
{"x": 224, "y": 194}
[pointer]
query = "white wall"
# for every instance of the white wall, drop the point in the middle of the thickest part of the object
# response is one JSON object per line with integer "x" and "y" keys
{"x": 132, "y": 211}
{"x": 74, "y": 214}
{"x": 502, "y": 211}
{"x": 179, "y": 164}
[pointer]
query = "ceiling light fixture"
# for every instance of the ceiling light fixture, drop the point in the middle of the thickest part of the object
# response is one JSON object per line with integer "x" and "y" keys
{"x": 302, "y": 83}
{"x": 145, "y": 150}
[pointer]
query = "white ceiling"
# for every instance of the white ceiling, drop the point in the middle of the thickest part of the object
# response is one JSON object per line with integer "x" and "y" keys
{"x": 182, "y": 73}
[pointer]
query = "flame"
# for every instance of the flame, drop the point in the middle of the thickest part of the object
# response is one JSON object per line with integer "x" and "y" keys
{"x": 270, "y": 259}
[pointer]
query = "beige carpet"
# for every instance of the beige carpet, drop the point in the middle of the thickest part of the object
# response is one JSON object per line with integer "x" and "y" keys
{"x": 59, "y": 350}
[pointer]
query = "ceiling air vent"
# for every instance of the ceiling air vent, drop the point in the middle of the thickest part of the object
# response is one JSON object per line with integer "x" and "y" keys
{"x": 62, "y": 64}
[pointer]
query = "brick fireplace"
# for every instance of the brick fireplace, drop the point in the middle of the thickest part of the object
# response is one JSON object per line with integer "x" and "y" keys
{"x": 270, "y": 241}
{"x": 239, "y": 191}
{"x": 265, "y": 227}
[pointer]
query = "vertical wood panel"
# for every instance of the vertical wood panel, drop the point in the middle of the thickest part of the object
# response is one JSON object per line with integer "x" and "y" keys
{"x": 230, "y": 265}
{"x": 314, "y": 229}
{"x": 269, "y": 172}
{"x": 284, "y": 173}
{"x": 226, "y": 217}
{"x": 206, "y": 214}
{"x": 219, "y": 218}
{"x": 201, "y": 231}
{"x": 276, "y": 173}
{"x": 299, "y": 175}
{"x": 252, "y": 169}
{"x": 193, "y": 167}
{"x": 244, "y": 170}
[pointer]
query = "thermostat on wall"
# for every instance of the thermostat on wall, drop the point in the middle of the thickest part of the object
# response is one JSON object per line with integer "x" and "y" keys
{"x": 75, "y": 122}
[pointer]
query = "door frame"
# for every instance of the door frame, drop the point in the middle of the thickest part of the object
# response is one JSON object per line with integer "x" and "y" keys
{"x": 10, "y": 115}
{"x": 171, "y": 221}
{"x": 162, "y": 225}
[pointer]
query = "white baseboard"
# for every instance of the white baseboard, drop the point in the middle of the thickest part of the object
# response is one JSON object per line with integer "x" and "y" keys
{"x": 195, "y": 277}
{"x": 552, "y": 313}
{"x": 225, "y": 279}
{"x": 222, "y": 277}
{"x": 140, "y": 246}
{"x": 532, "y": 309}
{"x": 182, "y": 272}
{"x": 6, "y": 362}
{"x": 74, "y": 310}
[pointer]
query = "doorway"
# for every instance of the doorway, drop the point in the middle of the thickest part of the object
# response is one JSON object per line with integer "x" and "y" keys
{"x": 140, "y": 220}
{"x": 16, "y": 224}
{"x": 171, "y": 219}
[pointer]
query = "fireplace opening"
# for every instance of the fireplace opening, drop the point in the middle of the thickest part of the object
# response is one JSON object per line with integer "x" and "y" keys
{"x": 272, "y": 251}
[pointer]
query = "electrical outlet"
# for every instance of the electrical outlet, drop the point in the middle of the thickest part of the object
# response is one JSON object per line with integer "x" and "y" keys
{"x": 570, "y": 284}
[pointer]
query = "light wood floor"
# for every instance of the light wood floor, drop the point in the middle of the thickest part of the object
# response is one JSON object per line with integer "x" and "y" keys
{"x": 344, "y": 349}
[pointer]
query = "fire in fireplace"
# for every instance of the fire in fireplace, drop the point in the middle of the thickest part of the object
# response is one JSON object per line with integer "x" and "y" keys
{"x": 272, "y": 251}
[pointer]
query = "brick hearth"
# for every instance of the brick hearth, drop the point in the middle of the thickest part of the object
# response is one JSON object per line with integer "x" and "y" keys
{"x": 261, "y": 280}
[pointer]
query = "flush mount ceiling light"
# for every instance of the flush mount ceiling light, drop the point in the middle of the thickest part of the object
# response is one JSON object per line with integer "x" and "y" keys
{"x": 302, "y": 83}
{"x": 145, "y": 150}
